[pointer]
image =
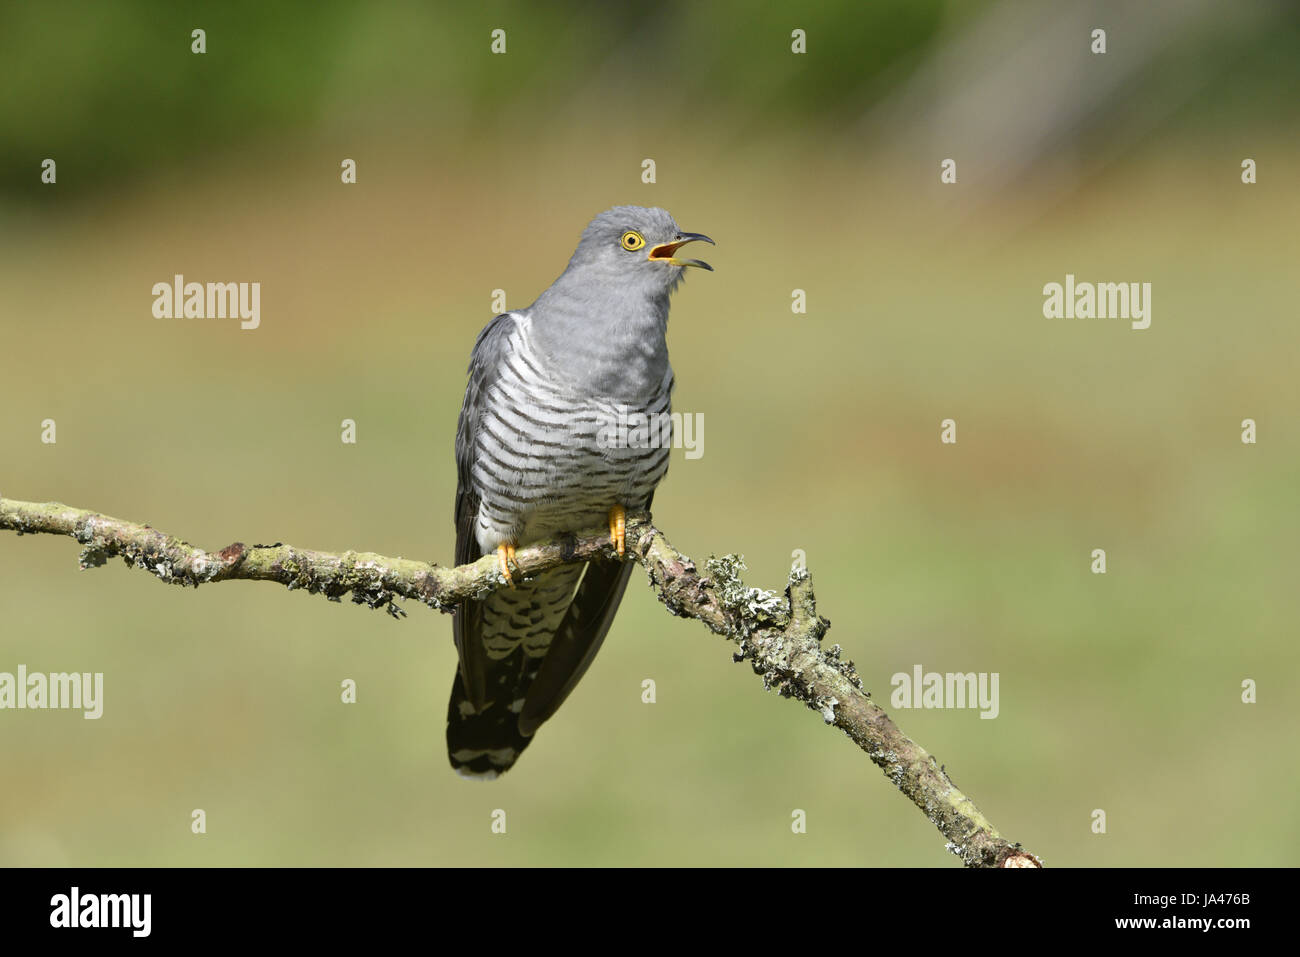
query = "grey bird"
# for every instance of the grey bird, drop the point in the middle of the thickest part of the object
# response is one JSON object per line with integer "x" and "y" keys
{"x": 539, "y": 453}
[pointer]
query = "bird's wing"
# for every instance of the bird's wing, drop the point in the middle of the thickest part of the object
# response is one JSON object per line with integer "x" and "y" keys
{"x": 490, "y": 352}
{"x": 577, "y": 640}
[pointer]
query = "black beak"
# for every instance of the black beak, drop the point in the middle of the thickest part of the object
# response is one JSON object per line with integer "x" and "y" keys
{"x": 665, "y": 252}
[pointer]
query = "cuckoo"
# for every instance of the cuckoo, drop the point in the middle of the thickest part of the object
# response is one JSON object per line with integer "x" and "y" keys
{"x": 538, "y": 454}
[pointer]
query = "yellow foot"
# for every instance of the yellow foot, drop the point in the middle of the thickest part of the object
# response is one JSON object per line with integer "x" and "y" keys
{"x": 506, "y": 556}
{"x": 618, "y": 529}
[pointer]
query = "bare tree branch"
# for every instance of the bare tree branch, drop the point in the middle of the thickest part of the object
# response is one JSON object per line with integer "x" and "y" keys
{"x": 779, "y": 634}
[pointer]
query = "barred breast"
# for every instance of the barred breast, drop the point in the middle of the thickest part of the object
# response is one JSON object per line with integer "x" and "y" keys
{"x": 549, "y": 460}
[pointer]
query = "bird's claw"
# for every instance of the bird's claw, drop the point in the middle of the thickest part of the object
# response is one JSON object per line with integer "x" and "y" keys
{"x": 505, "y": 558}
{"x": 618, "y": 529}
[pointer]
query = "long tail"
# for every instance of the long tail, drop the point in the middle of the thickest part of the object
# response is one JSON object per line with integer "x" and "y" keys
{"x": 537, "y": 642}
{"x": 487, "y": 742}
{"x": 509, "y": 635}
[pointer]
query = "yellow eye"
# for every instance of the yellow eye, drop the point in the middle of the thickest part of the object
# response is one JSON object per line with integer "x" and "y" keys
{"x": 632, "y": 240}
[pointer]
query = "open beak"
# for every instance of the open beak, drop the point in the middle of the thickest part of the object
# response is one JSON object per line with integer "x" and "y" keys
{"x": 667, "y": 252}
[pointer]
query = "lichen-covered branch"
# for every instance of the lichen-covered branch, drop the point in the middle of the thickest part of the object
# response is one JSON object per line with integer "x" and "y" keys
{"x": 370, "y": 579}
{"x": 779, "y": 634}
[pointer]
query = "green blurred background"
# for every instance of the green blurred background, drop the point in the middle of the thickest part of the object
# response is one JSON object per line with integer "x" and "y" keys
{"x": 817, "y": 171}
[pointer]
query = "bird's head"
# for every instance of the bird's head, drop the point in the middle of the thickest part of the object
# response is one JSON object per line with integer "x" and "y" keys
{"x": 636, "y": 246}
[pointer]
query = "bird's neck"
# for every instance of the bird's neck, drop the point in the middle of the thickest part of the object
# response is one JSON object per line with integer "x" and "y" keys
{"x": 605, "y": 341}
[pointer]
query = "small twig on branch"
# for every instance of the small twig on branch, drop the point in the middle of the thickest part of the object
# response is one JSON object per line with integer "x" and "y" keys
{"x": 780, "y": 635}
